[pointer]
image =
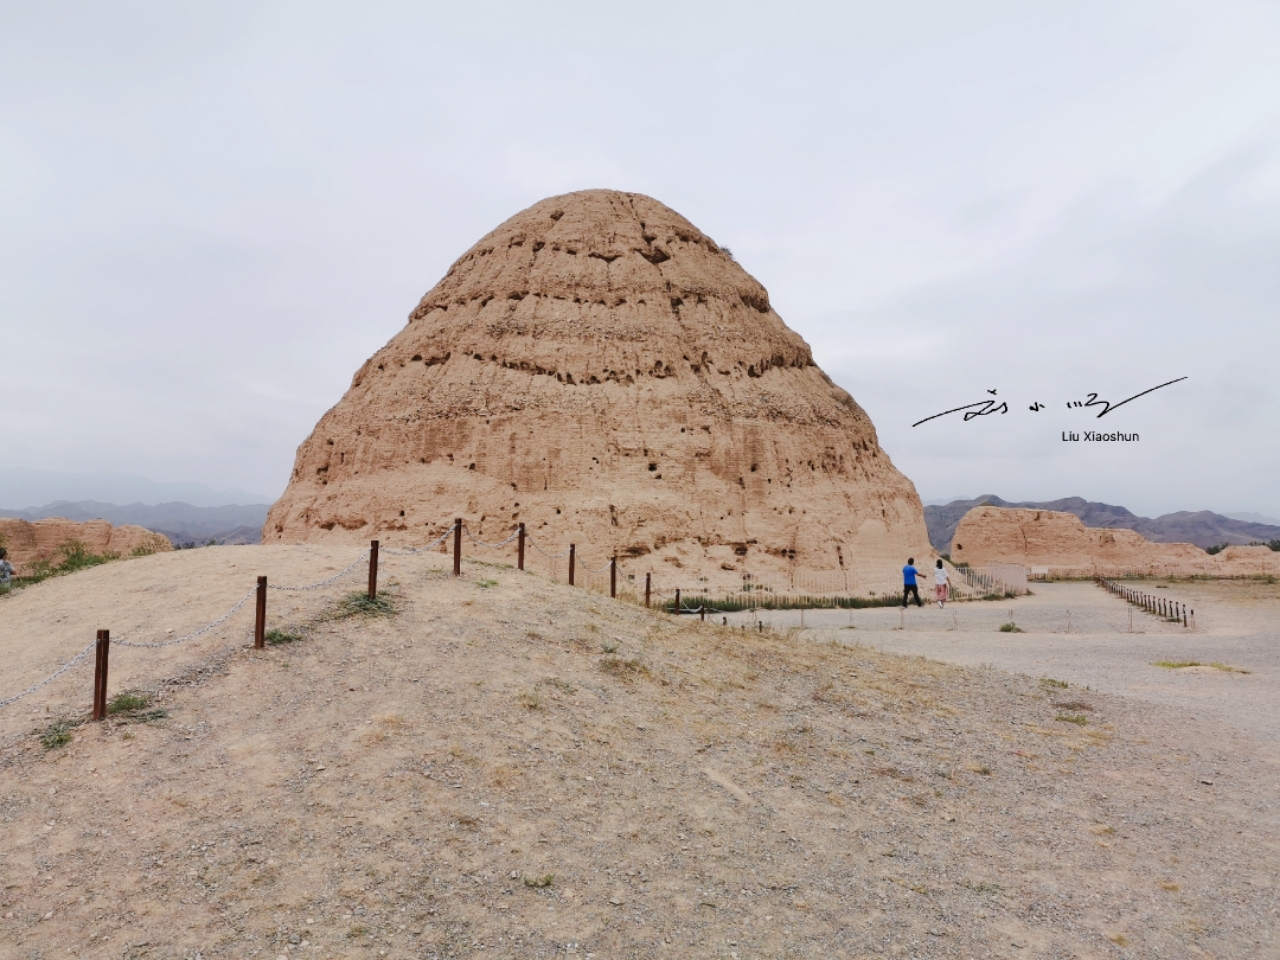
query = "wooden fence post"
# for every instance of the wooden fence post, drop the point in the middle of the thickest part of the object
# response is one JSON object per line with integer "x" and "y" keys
{"x": 648, "y": 583}
{"x": 260, "y": 620}
{"x": 613, "y": 578}
{"x": 373, "y": 569}
{"x": 573, "y": 553}
{"x": 677, "y": 602}
{"x": 102, "y": 652}
{"x": 457, "y": 547}
{"x": 520, "y": 549}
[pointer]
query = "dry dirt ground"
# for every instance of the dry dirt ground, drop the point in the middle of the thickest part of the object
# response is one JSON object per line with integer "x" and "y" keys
{"x": 512, "y": 767}
{"x": 1080, "y": 633}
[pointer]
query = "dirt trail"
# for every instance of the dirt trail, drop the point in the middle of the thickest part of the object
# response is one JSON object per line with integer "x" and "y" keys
{"x": 509, "y": 767}
{"x": 1080, "y": 633}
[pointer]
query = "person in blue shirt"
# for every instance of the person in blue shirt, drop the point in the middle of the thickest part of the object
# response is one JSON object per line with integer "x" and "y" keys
{"x": 909, "y": 587}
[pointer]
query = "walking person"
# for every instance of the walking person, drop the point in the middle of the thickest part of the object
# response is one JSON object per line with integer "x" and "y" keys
{"x": 941, "y": 584}
{"x": 6, "y": 569}
{"x": 909, "y": 588}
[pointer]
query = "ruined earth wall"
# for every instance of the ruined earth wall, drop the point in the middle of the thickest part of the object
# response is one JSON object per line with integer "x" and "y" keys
{"x": 1061, "y": 542}
{"x": 28, "y": 540}
{"x": 603, "y": 371}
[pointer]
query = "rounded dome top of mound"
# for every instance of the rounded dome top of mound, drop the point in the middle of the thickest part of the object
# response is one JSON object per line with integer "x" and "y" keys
{"x": 632, "y": 268}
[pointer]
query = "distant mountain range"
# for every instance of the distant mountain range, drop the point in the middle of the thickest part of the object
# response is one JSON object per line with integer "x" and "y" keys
{"x": 181, "y": 522}
{"x": 1203, "y": 528}
{"x": 22, "y": 487}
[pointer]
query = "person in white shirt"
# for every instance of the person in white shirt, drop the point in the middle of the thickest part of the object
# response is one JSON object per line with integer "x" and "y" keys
{"x": 6, "y": 568}
{"x": 940, "y": 584}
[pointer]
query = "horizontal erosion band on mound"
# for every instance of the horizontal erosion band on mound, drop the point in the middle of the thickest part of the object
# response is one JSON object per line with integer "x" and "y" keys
{"x": 660, "y": 369}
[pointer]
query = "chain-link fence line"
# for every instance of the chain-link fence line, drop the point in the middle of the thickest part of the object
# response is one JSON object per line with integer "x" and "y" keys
{"x": 490, "y": 546}
{"x": 49, "y": 679}
{"x": 324, "y": 583}
{"x": 190, "y": 636}
{"x": 418, "y": 551}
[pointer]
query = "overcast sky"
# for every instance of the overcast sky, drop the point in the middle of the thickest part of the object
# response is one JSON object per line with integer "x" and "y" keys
{"x": 211, "y": 214}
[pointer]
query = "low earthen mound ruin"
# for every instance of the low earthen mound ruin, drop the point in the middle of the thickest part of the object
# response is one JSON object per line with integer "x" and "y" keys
{"x": 1061, "y": 544}
{"x": 601, "y": 370}
{"x": 28, "y": 540}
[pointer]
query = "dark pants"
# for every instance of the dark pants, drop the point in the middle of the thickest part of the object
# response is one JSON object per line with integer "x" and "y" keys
{"x": 908, "y": 590}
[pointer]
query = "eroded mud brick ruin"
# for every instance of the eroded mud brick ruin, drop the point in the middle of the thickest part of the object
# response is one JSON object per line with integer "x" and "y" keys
{"x": 600, "y": 369}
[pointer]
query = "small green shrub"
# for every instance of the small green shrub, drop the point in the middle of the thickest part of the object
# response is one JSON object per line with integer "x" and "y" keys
{"x": 70, "y": 557}
{"x": 1050, "y": 682}
{"x": 128, "y": 702}
{"x": 278, "y": 637}
{"x": 76, "y": 556}
{"x": 131, "y": 707}
{"x": 537, "y": 883}
{"x": 1011, "y": 627}
{"x": 1077, "y": 718}
{"x": 358, "y": 604}
{"x": 486, "y": 583}
{"x": 57, "y": 734}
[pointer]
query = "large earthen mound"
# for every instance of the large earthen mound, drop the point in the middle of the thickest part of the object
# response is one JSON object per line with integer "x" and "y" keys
{"x": 1062, "y": 543}
{"x": 601, "y": 370}
{"x": 28, "y": 540}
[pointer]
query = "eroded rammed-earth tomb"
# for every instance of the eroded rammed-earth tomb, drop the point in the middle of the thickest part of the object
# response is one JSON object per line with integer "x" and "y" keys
{"x": 601, "y": 370}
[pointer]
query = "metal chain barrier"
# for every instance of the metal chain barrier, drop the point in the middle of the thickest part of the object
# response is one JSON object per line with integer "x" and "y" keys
{"x": 594, "y": 572}
{"x": 49, "y": 679}
{"x": 490, "y": 546}
{"x": 190, "y": 636}
{"x": 323, "y": 583}
{"x": 414, "y": 551}
{"x": 543, "y": 552}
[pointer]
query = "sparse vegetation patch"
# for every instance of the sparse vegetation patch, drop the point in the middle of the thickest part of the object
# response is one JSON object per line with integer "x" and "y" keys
{"x": 280, "y": 637}
{"x": 358, "y": 604}
{"x": 57, "y": 734}
{"x": 1183, "y": 664}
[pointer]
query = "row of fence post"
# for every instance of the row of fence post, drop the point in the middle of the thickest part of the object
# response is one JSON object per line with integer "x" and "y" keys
{"x": 1160, "y": 606}
{"x": 103, "y": 645}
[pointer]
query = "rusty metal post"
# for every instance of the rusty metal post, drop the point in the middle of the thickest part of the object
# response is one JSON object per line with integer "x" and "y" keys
{"x": 373, "y": 569}
{"x": 102, "y": 652}
{"x": 677, "y": 603}
{"x": 702, "y": 613}
{"x": 573, "y": 555}
{"x": 1184, "y": 614}
{"x": 260, "y": 621}
{"x": 457, "y": 547}
{"x": 648, "y": 584}
{"x": 520, "y": 549}
{"x": 613, "y": 578}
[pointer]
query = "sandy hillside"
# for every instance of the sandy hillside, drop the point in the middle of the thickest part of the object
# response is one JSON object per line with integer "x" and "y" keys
{"x": 510, "y": 767}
